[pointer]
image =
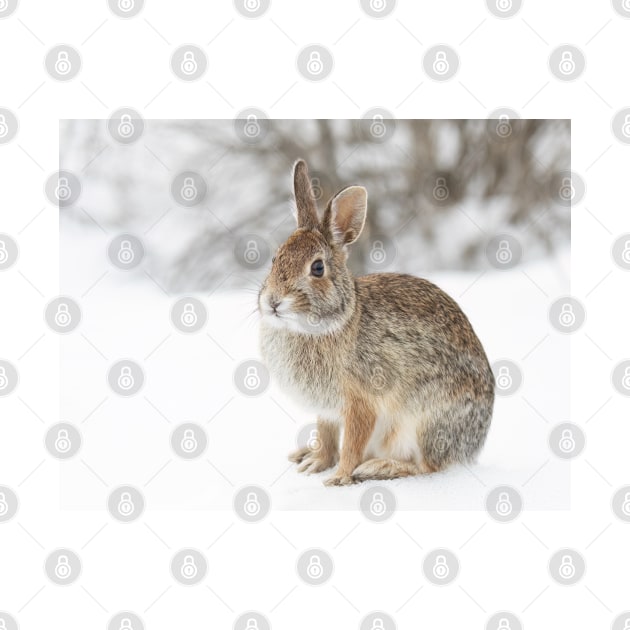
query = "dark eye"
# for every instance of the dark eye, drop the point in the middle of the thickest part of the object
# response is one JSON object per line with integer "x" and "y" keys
{"x": 273, "y": 260}
{"x": 317, "y": 268}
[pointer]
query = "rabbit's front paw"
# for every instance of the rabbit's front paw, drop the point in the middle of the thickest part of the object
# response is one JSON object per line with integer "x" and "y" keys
{"x": 315, "y": 463}
{"x": 340, "y": 480}
{"x": 298, "y": 456}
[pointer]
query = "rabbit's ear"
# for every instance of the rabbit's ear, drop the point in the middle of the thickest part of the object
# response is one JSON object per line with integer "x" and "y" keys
{"x": 345, "y": 215}
{"x": 304, "y": 197}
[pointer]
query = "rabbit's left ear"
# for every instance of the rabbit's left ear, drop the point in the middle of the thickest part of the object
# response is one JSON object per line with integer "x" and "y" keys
{"x": 304, "y": 197}
{"x": 345, "y": 214}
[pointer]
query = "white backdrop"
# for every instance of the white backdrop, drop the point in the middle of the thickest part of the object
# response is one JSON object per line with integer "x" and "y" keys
{"x": 252, "y": 62}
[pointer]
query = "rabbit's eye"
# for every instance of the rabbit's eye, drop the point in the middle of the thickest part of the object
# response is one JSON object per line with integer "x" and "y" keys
{"x": 317, "y": 268}
{"x": 273, "y": 260}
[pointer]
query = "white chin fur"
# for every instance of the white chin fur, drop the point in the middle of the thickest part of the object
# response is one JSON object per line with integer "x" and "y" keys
{"x": 299, "y": 323}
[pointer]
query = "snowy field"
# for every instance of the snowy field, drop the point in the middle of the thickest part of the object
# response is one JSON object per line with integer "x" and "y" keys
{"x": 189, "y": 378}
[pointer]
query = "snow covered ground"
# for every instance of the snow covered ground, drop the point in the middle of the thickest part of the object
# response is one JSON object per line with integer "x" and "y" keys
{"x": 189, "y": 378}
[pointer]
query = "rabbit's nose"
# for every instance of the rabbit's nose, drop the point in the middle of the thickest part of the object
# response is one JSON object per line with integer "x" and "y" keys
{"x": 274, "y": 303}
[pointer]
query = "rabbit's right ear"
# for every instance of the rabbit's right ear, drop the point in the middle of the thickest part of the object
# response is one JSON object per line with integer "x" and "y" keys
{"x": 304, "y": 197}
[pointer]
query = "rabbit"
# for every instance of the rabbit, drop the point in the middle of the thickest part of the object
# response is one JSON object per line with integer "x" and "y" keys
{"x": 388, "y": 359}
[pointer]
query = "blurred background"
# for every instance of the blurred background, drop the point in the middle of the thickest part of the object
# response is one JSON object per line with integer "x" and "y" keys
{"x": 167, "y": 228}
{"x": 210, "y": 199}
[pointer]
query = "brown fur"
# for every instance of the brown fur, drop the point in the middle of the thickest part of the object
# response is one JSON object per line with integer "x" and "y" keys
{"x": 391, "y": 358}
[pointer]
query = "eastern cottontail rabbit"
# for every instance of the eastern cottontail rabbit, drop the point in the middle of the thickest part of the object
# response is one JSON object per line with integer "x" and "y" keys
{"x": 389, "y": 358}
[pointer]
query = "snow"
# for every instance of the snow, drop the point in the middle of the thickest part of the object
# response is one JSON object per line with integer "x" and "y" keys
{"x": 189, "y": 378}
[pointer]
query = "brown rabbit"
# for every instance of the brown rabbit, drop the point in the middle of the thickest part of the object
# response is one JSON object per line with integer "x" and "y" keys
{"x": 389, "y": 358}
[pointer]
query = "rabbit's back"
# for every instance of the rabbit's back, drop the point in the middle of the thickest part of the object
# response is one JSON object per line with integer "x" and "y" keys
{"x": 414, "y": 338}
